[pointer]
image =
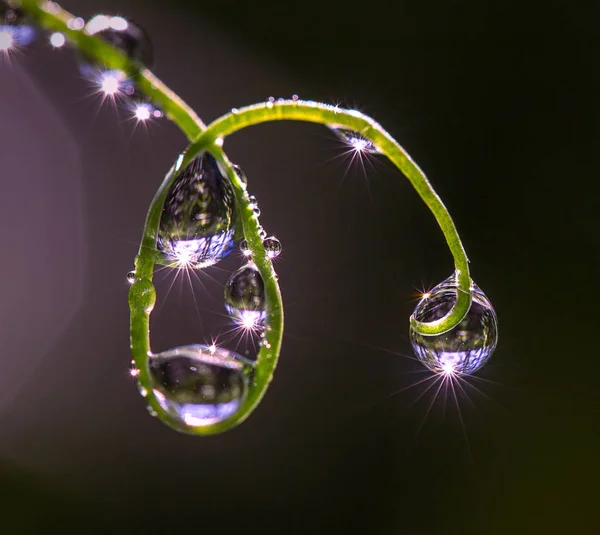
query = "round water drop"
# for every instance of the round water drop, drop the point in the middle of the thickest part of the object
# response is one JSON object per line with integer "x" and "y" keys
{"x": 125, "y": 35}
{"x": 131, "y": 277}
{"x": 245, "y": 297}
{"x": 357, "y": 142}
{"x": 272, "y": 246}
{"x": 255, "y": 209}
{"x": 245, "y": 248}
{"x": 197, "y": 223}
{"x": 467, "y": 347}
{"x": 198, "y": 385}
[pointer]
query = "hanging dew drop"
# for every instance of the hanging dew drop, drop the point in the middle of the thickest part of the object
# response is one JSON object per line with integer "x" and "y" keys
{"x": 355, "y": 140}
{"x": 272, "y": 246}
{"x": 131, "y": 277}
{"x": 245, "y": 298}
{"x": 467, "y": 347}
{"x": 198, "y": 385}
{"x": 125, "y": 35}
{"x": 197, "y": 225}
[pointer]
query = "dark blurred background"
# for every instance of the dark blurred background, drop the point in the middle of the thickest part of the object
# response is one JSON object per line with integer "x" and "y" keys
{"x": 497, "y": 101}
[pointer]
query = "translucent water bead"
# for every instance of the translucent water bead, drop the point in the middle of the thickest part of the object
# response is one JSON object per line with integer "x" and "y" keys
{"x": 245, "y": 297}
{"x": 467, "y": 347}
{"x": 133, "y": 41}
{"x": 197, "y": 223}
{"x": 199, "y": 385}
{"x": 355, "y": 140}
{"x": 14, "y": 31}
{"x": 125, "y": 35}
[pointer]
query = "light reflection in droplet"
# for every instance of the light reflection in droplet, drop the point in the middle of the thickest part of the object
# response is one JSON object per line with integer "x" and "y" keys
{"x": 57, "y": 40}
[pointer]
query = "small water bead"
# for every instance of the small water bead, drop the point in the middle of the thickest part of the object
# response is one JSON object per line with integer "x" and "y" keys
{"x": 131, "y": 277}
{"x": 240, "y": 173}
{"x": 357, "y": 141}
{"x": 272, "y": 246}
{"x": 467, "y": 347}
{"x": 75, "y": 23}
{"x": 57, "y": 40}
{"x": 245, "y": 248}
{"x": 245, "y": 297}
{"x": 197, "y": 223}
{"x": 14, "y": 30}
{"x": 198, "y": 385}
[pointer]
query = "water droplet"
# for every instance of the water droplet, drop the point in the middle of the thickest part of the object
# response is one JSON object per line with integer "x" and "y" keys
{"x": 125, "y": 35}
{"x": 234, "y": 111}
{"x": 14, "y": 29}
{"x": 142, "y": 110}
{"x": 75, "y": 23}
{"x": 295, "y": 97}
{"x": 271, "y": 99}
{"x": 255, "y": 209}
{"x": 151, "y": 411}
{"x": 356, "y": 141}
{"x": 262, "y": 233}
{"x": 467, "y": 347}
{"x": 131, "y": 277}
{"x": 272, "y": 246}
{"x": 245, "y": 248}
{"x": 57, "y": 40}
{"x": 240, "y": 173}
{"x": 197, "y": 224}
{"x": 245, "y": 297}
{"x": 50, "y": 7}
{"x": 197, "y": 387}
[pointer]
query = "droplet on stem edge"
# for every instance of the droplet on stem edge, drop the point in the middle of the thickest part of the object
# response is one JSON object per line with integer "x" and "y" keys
{"x": 199, "y": 385}
{"x": 355, "y": 140}
{"x": 467, "y": 347}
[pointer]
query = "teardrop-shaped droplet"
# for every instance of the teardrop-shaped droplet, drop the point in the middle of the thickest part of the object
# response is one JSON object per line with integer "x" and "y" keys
{"x": 245, "y": 297}
{"x": 356, "y": 141}
{"x": 272, "y": 246}
{"x": 198, "y": 385}
{"x": 240, "y": 172}
{"x": 131, "y": 277}
{"x": 14, "y": 30}
{"x": 125, "y": 35}
{"x": 197, "y": 223}
{"x": 467, "y": 347}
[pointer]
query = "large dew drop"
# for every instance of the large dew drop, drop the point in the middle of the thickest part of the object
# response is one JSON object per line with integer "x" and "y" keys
{"x": 197, "y": 223}
{"x": 199, "y": 385}
{"x": 245, "y": 297}
{"x": 467, "y": 347}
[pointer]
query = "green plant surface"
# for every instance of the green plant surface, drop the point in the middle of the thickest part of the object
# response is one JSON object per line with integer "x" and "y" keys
{"x": 210, "y": 138}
